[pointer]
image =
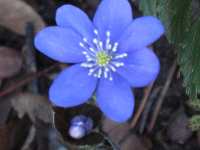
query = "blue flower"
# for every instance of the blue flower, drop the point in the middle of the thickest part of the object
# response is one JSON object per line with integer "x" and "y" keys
{"x": 110, "y": 53}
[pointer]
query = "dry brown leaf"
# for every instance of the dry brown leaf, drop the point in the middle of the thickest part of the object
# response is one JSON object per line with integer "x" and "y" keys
{"x": 198, "y": 138}
{"x": 120, "y": 134}
{"x": 4, "y": 137}
{"x": 16, "y": 14}
{"x": 10, "y": 62}
{"x": 178, "y": 130}
{"x": 5, "y": 107}
{"x": 35, "y": 106}
{"x": 133, "y": 142}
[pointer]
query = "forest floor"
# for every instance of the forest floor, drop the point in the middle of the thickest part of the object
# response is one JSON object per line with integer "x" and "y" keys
{"x": 29, "y": 122}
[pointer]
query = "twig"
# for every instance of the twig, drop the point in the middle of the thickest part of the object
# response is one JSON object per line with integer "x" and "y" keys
{"x": 29, "y": 57}
{"x": 142, "y": 105}
{"x": 30, "y": 67}
{"x": 27, "y": 80}
{"x": 29, "y": 138}
{"x": 162, "y": 96}
{"x": 147, "y": 110}
{"x": 109, "y": 140}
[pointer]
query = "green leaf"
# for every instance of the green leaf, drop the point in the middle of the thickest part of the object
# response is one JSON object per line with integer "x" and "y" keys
{"x": 189, "y": 59}
{"x": 194, "y": 123}
{"x": 175, "y": 14}
{"x": 182, "y": 31}
{"x": 194, "y": 104}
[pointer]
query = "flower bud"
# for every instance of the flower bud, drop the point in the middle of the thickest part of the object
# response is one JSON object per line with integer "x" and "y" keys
{"x": 80, "y": 126}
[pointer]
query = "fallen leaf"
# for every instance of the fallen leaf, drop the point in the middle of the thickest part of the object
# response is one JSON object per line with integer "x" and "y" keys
{"x": 198, "y": 138}
{"x": 49, "y": 138}
{"x": 19, "y": 130}
{"x": 35, "y": 106}
{"x": 5, "y": 107}
{"x": 120, "y": 134}
{"x": 4, "y": 137}
{"x": 10, "y": 62}
{"x": 133, "y": 142}
{"x": 15, "y": 14}
{"x": 178, "y": 131}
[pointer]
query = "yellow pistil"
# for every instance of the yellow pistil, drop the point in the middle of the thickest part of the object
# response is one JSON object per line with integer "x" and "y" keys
{"x": 103, "y": 58}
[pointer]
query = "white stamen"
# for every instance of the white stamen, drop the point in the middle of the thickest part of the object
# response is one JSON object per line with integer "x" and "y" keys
{"x": 118, "y": 64}
{"x": 88, "y": 51}
{"x": 105, "y": 74}
{"x": 85, "y": 40}
{"x": 86, "y": 65}
{"x": 81, "y": 44}
{"x": 106, "y": 69}
{"x": 96, "y": 31}
{"x": 91, "y": 71}
{"x": 108, "y": 33}
{"x": 85, "y": 53}
{"x": 92, "y": 49}
{"x": 112, "y": 68}
{"x": 95, "y": 41}
{"x": 89, "y": 58}
{"x": 98, "y": 43}
{"x": 99, "y": 73}
{"x": 110, "y": 76}
{"x": 109, "y": 47}
{"x": 121, "y": 56}
{"x": 114, "y": 49}
{"x": 101, "y": 45}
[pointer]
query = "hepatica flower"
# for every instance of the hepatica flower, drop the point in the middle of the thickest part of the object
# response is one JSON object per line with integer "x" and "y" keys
{"x": 110, "y": 54}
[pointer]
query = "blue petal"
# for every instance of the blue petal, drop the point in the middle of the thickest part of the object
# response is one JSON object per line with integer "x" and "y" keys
{"x": 72, "y": 17}
{"x": 72, "y": 87}
{"x": 60, "y": 44}
{"x": 113, "y": 15}
{"x": 141, "y": 67}
{"x": 141, "y": 33}
{"x": 115, "y": 99}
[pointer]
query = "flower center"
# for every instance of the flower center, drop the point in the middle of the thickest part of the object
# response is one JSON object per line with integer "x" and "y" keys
{"x": 103, "y": 58}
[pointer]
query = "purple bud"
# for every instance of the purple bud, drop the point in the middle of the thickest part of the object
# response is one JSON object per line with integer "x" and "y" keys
{"x": 80, "y": 126}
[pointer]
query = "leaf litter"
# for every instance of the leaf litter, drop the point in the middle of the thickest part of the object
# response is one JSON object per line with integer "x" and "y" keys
{"x": 27, "y": 118}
